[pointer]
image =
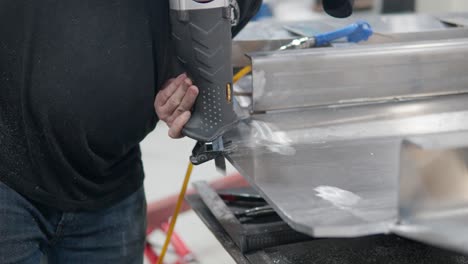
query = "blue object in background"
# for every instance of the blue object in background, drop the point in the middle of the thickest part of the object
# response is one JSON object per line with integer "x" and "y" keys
{"x": 356, "y": 32}
{"x": 264, "y": 12}
{"x": 359, "y": 31}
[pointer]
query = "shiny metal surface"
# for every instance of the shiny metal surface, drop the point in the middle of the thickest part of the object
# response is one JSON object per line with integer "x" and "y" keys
{"x": 397, "y": 23}
{"x": 243, "y": 47}
{"x": 333, "y": 171}
{"x": 433, "y": 197}
{"x": 445, "y": 34}
{"x": 269, "y": 35}
{"x": 355, "y": 140}
{"x": 403, "y": 23}
{"x": 457, "y": 19}
{"x": 324, "y": 76}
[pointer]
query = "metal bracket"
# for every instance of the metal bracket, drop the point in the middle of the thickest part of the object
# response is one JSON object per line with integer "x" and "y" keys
{"x": 235, "y": 12}
{"x": 216, "y": 150}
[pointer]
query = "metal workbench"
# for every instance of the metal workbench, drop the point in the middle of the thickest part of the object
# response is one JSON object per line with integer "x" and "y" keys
{"x": 389, "y": 249}
{"x": 357, "y": 140}
{"x": 351, "y": 143}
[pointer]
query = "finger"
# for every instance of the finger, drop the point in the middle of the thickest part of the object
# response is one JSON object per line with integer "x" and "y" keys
{"x": 168, "y": 82}
{"x": 187, "y": 102}
{"x": 169, "y": 89}
{"x": 176, "y": 98}
{"x": 188, "y": 81}
{"x": 159, "y": 96}
{"x": 176, "y": 129}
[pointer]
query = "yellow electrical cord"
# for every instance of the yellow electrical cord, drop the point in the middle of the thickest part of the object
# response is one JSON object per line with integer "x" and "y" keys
{"x": 246, "y": 70}
{"x": 176, "y": 212}
{"x": 180, "y": 200}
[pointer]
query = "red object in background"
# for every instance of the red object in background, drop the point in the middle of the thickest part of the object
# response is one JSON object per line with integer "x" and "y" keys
{"x": 179, "y": 245}
{"x": 160, "y": 211}
{"x": 150, "y": 255}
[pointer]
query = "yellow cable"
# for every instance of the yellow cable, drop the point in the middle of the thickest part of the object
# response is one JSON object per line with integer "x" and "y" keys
{"x": 246, "y": 70}
{"x": 180, "y": 201}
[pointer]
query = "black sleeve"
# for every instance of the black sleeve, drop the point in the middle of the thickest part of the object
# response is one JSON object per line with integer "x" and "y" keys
{"x": 248, "y": 9}
{"x": 162, "y": 47}
{"x": 338, "y": 8}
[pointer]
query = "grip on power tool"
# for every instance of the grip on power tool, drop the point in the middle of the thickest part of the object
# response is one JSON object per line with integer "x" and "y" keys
{"x": 203, "y": 45}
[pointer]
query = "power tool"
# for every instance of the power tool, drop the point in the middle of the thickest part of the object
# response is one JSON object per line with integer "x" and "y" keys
{"x": 202, "y": 32}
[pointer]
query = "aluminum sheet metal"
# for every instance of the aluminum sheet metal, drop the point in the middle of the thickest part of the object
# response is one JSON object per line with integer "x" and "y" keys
{"x": 334, "y": 171}
{"x": 269, "y": 35}
{"x": 356, "y": 140}
{"x": 400, "y": 23}
{"x": 325, "y": 76}
{"x": 433, "y": 191}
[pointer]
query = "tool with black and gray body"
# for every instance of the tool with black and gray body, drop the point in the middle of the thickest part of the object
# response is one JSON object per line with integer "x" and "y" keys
{"x": 201, "y": 30}
{"x": 202, "y": 35}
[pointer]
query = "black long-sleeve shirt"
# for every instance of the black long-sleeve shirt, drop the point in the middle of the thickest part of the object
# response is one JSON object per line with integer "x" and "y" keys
{"x": 77, "y": 83}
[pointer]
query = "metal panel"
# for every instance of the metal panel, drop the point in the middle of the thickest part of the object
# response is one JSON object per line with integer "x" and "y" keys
{"x": 242, "y": 47}
{"x": 402, "y": 23}
{"x": 458, "y": 19}
{"x": 333, "y": 172}
{"x": 324, "y": 143}
{"x": 397, "y": 23}
{"x": 269, "y": 35}
{"x": 324, "y": 76}
{"x": 364, "y": 250}
{"x": 433, "y": 197}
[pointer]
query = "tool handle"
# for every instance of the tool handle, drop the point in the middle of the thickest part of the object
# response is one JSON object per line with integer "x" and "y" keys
{"x": 203, "y": 44}
{"x": 356, "y": 32}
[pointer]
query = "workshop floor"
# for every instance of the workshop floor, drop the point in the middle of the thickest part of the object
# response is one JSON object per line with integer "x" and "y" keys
{"x": 165, "y": 161}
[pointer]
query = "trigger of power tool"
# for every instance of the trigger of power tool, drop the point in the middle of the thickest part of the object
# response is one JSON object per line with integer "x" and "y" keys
{"x": 201, "y": 31}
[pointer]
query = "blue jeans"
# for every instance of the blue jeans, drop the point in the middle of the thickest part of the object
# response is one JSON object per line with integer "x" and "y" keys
{"x": 31, "y": 233}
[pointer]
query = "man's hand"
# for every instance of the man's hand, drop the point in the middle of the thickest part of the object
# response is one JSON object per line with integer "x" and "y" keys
{"x": 173, "y": 103}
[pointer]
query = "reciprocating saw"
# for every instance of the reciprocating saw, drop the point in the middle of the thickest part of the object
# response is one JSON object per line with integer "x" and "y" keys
{"x": 202, "y": 32}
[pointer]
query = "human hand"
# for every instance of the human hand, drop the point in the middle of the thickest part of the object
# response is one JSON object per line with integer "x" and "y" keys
{"x": 174, "y": 102}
